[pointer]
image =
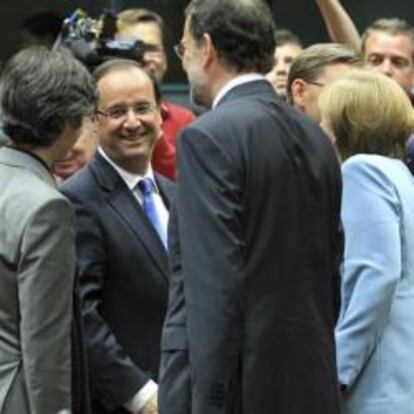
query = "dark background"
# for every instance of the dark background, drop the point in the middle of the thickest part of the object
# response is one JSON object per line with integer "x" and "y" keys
{"x": 300, "y": 16}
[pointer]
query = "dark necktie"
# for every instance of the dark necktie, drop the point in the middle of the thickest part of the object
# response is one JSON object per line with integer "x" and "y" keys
{"x": 147, "y": 188}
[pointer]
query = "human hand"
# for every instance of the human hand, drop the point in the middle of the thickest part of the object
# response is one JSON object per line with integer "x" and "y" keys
{"x": 151, "y": 406}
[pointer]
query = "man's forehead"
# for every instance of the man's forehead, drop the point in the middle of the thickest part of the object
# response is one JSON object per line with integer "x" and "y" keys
{"x": 148, "y": 32}
{"x": 391, "y": 44}
{"x": 290, "y": 49}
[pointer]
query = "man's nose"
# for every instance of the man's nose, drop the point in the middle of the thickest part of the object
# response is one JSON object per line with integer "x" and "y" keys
{"x": 132, "y": 120}
{"x": 281, "y": 67}
{"x": 386, "y": 67}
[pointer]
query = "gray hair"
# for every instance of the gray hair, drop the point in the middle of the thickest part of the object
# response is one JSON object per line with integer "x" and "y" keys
{"x": 310, "y": 63}
{"x": 40, "y": 92}
{"x": 392, "y": 26}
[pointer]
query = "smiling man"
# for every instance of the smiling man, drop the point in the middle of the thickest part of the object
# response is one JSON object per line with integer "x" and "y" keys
{"x": 121, "y": 209}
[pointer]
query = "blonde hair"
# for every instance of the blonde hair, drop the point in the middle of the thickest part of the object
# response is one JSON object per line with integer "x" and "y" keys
{"x": 367, "y": 113}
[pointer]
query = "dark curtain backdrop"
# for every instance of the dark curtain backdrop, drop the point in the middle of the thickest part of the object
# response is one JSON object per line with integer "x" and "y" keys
{"x": 300, "y": 16}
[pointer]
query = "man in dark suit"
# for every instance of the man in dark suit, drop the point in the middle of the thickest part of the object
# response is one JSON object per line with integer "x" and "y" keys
{"x": 121, "y": 211}
{"x": 254, "y": 234}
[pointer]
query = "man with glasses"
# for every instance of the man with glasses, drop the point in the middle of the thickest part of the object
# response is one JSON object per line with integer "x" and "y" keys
{"x": 121, "y": 209}
{"x": 254, "y": 234}
{"x": 148, "y": 26}
{"x": 315, "y": 67}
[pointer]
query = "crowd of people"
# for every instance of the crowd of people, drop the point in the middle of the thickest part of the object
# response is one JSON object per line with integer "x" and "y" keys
{"x": 257, "y": 258}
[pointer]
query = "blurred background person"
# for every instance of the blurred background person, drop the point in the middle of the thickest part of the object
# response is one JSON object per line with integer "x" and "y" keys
{"x": 288, "y": 46}
{"x": 313, "y": 69}
{"x": 82, "y": 151}
{"x": 388, "y": 47}
{"x": 147, "y": 26}
{"x": 44, "y": 98}
{"x": 369, "y": 118}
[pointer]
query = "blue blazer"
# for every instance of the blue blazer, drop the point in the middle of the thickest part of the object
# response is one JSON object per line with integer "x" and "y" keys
{"x": 375, "y": 331}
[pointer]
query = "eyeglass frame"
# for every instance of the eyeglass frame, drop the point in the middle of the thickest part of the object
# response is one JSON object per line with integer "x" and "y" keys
{"x": 179, "y": 50}
{"x": 316, "y": 83}
{"x": 110, "y": 113}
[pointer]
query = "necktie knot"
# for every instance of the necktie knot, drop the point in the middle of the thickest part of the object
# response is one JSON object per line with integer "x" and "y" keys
{"x": 147, "y": 187}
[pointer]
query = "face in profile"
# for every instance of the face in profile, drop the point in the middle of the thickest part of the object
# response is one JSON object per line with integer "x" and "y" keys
{"x": 306, "y": 94}
{"x": 80, "y": 153}
{"x": 278, "y": 76}
{"x": 128, "y": 121}
{"x": 155, "y": 60}
{"x": 192, "y": 61}
{"x": 391, "y": 55}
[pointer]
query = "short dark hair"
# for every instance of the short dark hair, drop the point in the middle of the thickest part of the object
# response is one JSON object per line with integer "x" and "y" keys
{"x": 392, "y": 26}
{"x": 286, "y": 37}
{"x": 40, "y": 92}
{"x": 310, "y": 63}
{"x": 129, "y": 17}
{"x": 242, "y": 31}
{"x": 113, "y": 65}
{"x": 140, "y": 15}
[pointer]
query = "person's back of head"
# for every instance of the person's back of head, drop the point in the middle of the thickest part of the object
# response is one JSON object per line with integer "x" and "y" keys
{"x": 41, "y": 91}
{"x": 356, "y": 125}
{"x": 242, "y": 32}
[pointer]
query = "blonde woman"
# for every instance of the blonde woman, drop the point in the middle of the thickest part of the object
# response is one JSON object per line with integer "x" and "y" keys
{"x": 370, "y": 118}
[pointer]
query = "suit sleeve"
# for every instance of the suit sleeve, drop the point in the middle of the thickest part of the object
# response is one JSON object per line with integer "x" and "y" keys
{"x": 114, "y": 377}
{"x": 208, "y": 197}
{"x": 372, "y": 265}
{"x": 45, "y": 283}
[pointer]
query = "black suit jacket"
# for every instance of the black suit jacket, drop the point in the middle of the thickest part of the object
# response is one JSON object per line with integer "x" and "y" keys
{"x": 123, "y": 273}
{"x": 255, "y": 242}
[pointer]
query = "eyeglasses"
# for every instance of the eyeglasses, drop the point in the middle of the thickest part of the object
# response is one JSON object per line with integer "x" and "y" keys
{"x": 179, "y": 50}
{"x": 121, "y": 112}
{"x": 316, "y": 83}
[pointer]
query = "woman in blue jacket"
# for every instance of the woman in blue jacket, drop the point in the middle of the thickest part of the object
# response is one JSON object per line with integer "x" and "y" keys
{"x": 370, "y": 118}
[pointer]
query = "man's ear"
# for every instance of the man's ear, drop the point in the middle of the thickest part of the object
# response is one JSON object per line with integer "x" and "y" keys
{"x": 298, "y": 90}
{"x": 94, "y": 123}
{"x": 208, "y": 51}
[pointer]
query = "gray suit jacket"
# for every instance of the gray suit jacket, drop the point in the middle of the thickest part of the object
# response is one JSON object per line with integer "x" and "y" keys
{"x": 36, "y": 278}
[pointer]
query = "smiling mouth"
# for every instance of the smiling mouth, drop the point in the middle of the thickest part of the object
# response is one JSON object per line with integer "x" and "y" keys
{"x": 137, "y": 138}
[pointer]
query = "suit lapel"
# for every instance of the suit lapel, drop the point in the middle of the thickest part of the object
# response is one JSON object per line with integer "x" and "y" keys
{"x": 122, "y": 200}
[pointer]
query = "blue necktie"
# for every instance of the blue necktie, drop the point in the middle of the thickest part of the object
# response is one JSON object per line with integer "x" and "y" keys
{"x": 147, "y": 188}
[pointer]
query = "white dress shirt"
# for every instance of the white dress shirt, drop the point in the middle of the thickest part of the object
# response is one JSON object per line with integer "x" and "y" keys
{"x": 238, "y": 80}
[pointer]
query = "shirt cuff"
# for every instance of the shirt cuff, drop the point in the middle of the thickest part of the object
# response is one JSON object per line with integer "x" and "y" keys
{"x": 141, "y": 398}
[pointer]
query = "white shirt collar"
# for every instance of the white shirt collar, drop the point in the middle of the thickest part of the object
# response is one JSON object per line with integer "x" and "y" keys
{"x": 130, "y": 179}
{"x": 239, "y": 80}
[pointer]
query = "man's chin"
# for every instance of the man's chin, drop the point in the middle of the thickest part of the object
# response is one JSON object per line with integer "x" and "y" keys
{"x": 64, "y": 171}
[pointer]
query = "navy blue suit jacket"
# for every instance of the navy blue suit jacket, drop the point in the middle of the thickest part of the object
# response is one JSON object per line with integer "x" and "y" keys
{"x": 255, "y": 243}
{"x": 123, "y": 273}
